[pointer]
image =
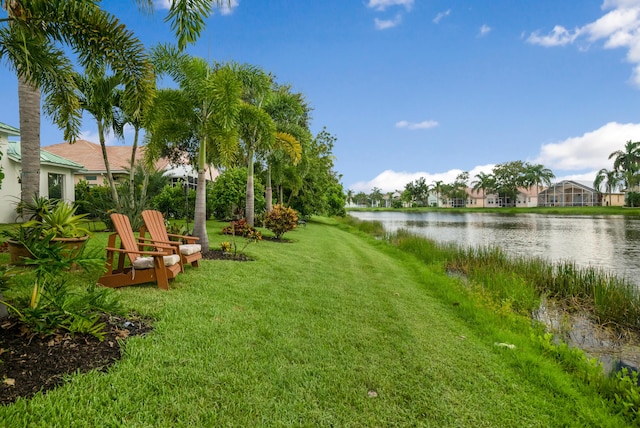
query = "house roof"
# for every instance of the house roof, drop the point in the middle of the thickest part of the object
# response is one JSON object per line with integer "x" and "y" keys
{"x": 90, "y": 155}
{"x": 568, "y": 184}
{"x": 46, "y": 158}
{"x": 8, "y": 129}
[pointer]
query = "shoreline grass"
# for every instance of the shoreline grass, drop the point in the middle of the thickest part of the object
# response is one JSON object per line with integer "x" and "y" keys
{"x": 335, "y": 328}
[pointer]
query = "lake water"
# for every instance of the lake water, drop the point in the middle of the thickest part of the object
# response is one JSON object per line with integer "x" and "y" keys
{"x": 610, "y": 243}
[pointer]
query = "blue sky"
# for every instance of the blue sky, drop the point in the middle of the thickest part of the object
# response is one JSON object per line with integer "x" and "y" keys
{"x": 430, "y": 88}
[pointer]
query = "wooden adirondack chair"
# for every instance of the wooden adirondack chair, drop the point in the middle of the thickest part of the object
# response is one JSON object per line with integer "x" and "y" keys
{"x": 154, "y": 224}
{"x": 130, "y": 264}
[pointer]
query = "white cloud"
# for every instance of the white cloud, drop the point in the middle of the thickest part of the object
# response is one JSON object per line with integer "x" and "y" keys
{"x": 441, "y": 15}
{"x": 618, "y": 28}
{"x": 420, "y": 125}
{"x": 382, "y": 5}
{"x": 226, "y": 9}
{"x": 390, "y": 181}
{"x": 110, "y": 139}
{"x": 163, "y": 4}
{"x": 589, "y": 151}
{"x": 560, "y": 36}
{"x": 383, "y": 24}
{"x": 484, "y": 30}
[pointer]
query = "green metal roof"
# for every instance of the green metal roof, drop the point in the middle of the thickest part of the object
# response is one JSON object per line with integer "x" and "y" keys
{"x": 45, "y": 157}
{"x": 7, "y": 129}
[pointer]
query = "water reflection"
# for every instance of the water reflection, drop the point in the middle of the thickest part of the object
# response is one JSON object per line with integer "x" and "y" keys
{"x": 611, "y": 243}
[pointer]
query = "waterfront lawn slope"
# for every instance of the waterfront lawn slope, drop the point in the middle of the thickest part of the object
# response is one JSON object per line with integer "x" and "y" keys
{"x": 332, "y": 329}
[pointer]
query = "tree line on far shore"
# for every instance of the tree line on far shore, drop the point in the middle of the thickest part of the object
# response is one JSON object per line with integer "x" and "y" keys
{"x": 505, "y": 181}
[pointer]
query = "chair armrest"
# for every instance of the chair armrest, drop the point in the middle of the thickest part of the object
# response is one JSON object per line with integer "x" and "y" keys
{"x": 142, "y": 252}
{"x": 154, "y": 242}
{"x": 189, "y": 239}
{"x": 158, "y": 244}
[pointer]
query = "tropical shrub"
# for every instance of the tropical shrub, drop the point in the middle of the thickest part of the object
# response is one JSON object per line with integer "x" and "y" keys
{"x": 228, "y": 194}
{"x": 281, "y": 220}
{"x": 172, "y": 202}
{"x": 633, "y": 199}
{"x": 241, "y": 228}
{"x": 95, "y": 201}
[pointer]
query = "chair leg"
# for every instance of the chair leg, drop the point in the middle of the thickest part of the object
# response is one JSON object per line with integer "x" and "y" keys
{"x": 161, "y": 273}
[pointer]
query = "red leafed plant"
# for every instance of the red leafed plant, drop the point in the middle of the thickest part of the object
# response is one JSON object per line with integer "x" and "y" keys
{"x": 280, "y": 220}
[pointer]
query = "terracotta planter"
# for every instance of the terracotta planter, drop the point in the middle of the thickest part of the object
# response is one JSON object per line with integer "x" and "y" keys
{"x": 18, "y": 252}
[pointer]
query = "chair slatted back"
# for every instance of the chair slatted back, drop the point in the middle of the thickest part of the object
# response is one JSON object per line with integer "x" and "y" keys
{"x": 154, "y": 223}
{"x": 127, "y": 239}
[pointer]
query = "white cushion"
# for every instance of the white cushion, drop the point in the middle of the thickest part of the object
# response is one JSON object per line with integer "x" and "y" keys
{"x": 188, "y": 249}
{"x": 147, "y": 262}
{"x": 143, "y": 263}
{"x": 171, "y": 259}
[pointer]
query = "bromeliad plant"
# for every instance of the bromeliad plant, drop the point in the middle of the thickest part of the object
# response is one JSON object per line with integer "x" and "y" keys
{"x": 49, "y": 216}
{"x": 61, "y": 220}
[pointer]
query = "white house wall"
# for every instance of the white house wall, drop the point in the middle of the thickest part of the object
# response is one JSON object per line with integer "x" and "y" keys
{"x": 10, "y": 190}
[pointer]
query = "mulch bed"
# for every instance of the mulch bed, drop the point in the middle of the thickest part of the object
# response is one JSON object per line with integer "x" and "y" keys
{"x": 29, "y": 364}
{"x": 221, "y": 255}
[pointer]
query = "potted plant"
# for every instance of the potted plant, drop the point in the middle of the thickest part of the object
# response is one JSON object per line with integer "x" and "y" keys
{"x": 54, "y": 219}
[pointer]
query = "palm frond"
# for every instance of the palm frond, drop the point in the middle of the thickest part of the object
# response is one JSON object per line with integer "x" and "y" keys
{"x": 290, "y": 145}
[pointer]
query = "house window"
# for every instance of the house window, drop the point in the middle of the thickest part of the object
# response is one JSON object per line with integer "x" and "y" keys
{"x": 55, "y": 186}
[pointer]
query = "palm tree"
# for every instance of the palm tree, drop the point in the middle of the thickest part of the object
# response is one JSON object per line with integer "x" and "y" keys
{"x": 350, "y": 194}
{"x": 610, "y": 178}
{"x": 257, "y": 128}
{"x": 101, "y": 97}
{"x": 290, "y": 115}
{"x": 627, "y": 162}
{"x": 111, "y": 104}
{"x": 375, "y": 196}
{"x": 537, "y": 175}
{"x": 199, "y": 119}
{"x": 485, "y": 182}
{"x": 389, "y": 196}
{"x": 32, "y": 40}
{"x": 438, "y": 187}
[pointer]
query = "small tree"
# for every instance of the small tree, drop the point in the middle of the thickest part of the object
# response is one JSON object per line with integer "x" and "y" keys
{"x": 281, "y": 220}
{"x": 227, "y": 194}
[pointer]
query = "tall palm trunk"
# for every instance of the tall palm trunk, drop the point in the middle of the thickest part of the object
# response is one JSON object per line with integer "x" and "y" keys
{"x": 249, "y": 201}
{"x": 132, "y": 171}
{"x": 112, "y": 184}
{"x": 29, "y": 108}
{"x": 269, "y": 191}
{"x": 200, "y": 214}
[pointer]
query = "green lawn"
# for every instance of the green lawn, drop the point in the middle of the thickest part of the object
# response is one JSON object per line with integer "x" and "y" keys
{"x": 332, "y": 329}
